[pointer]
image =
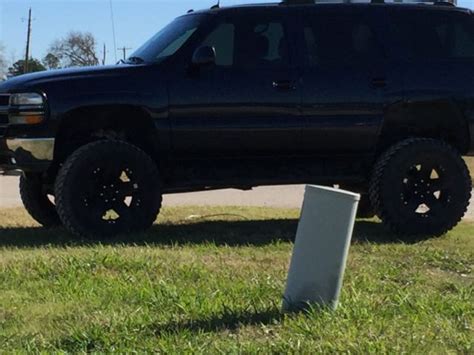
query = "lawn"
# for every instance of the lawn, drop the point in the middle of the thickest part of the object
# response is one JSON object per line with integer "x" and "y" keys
{"x": 209, "y": 280}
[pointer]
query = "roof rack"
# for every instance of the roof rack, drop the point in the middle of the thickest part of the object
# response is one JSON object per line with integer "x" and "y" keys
{"x": 430, "y": 2}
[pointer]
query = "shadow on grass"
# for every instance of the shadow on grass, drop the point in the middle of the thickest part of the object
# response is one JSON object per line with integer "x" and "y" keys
{"x": 227, "y": 321}
{"x": 232, "y": 233}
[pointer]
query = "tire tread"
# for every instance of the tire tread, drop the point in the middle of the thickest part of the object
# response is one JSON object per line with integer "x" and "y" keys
{"x": 83, "y": 153}
{"x": 378, "y": 176}
{"x": 37, "y": 204}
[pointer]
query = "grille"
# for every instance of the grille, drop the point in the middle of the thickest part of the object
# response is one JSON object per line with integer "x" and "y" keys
{"x": 4, "y": 100}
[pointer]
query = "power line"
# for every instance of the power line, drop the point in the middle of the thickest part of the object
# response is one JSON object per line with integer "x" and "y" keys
{"x": 113, "y": 29}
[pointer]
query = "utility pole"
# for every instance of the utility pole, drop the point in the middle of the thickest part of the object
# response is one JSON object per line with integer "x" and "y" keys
{"x": 124, "y": 50}
{"x": 105, "y": 55}
{"x": 28, "y": 38}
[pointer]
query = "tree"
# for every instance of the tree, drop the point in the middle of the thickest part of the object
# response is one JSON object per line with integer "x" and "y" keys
{"x": 51, "y": 61}
{"x": 34, "y": 65}
{"x": 76, "y": 49}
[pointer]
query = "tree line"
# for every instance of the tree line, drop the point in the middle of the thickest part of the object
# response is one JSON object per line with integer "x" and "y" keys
{"x": 74, "y": 50}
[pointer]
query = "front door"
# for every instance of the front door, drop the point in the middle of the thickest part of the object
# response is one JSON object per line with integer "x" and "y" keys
{"x": 247, "y": 104}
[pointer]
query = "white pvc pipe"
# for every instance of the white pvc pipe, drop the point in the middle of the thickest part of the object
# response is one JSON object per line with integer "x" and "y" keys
{"x": 321, "y": 248}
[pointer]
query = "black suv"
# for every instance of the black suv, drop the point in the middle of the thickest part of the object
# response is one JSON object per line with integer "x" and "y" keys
{"x": 376, "y": 98}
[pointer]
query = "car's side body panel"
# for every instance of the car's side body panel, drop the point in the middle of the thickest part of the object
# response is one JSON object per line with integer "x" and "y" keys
{"x": 343, "y": 100}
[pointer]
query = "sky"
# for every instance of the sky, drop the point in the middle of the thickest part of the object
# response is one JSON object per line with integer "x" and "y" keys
{"x": 135, "y": 21}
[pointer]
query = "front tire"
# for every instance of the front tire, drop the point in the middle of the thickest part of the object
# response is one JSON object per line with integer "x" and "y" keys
{"x": 36, "y": 201}
{"x": 420, "y": 187}
{"x": 108, "y": 188}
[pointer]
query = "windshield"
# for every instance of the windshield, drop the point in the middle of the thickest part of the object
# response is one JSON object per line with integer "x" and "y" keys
{"x": 169, "y": 40}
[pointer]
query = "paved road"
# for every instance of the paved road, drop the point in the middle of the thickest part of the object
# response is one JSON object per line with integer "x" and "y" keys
{"x": 277, "y": 196}
{"x": 280, "y": 196}
{"x": 9, "y": 192}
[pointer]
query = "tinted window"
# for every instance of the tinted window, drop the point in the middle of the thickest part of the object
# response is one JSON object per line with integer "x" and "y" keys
{"x": 433, "y": 36}
{"x": 262, "y": 44}
{"x": 173, "y": 47}
{"x": 339, "y": 38}
{"x": 249, "y": 43}
{"x": 170, "y": 39}
{"x": 222, "y": 39}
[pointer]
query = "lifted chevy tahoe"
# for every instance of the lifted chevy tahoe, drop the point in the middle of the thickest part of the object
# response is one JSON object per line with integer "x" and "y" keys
{"x": 377, "y": 98}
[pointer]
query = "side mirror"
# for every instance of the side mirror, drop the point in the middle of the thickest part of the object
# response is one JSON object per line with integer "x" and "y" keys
{"x": 204, "y": 56}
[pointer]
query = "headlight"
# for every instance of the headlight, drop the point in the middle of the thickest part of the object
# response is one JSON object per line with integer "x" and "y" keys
{"x": 26, "y": 99}
{"x": 26, "y": 108}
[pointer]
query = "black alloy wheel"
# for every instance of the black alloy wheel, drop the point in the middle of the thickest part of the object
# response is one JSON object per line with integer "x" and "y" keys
{"x": 421, "y": 187}
{"x": 108, "y": 188}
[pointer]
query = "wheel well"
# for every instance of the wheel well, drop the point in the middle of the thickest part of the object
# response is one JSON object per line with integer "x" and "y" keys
{"x": 441, "y": 119}
{"x": 85, "y": 125}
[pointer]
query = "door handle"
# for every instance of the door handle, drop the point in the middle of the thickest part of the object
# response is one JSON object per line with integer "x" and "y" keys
{"x": 379, "y": 82}
{"x": 284, "y": 85}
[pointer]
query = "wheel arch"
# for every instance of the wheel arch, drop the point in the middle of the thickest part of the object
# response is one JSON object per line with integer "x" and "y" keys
{"x": 123, "y": 122}
{"x": 438, "y": 119}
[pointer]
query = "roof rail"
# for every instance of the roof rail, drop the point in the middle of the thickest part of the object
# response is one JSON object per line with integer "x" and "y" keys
{"x": 431, "y": 2}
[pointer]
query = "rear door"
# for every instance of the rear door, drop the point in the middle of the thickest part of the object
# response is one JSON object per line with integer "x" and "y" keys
{"x": 247, "y": 105}
{"x": 436, "y": 49}
{"x": 344, "y": 79}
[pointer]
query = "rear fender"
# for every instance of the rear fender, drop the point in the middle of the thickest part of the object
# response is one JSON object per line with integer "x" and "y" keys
{"x": 440, "y": 119}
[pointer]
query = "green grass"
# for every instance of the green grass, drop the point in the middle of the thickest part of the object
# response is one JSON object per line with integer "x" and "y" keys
{"x": 214, "y": 284}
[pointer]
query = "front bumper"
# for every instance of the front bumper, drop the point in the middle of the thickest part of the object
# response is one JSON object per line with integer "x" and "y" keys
{"x": 17, "y": 150}
{"x": 27, "y": 154}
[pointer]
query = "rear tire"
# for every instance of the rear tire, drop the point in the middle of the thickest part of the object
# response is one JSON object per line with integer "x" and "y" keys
{"x": 420, "y": 187}
{"x": 36, "y": 201}
{"x": 108, "y": 188}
